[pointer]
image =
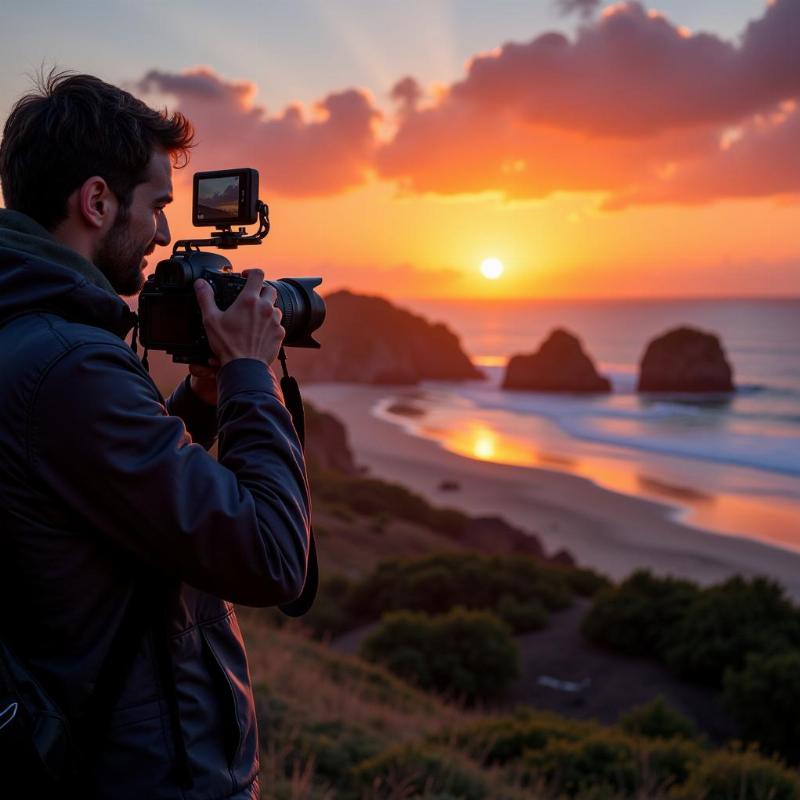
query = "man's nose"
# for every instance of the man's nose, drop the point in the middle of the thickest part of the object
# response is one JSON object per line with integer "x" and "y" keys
{"x": 163, "y": 236}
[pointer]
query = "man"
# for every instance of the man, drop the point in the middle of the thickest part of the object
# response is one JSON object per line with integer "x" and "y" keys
{"x": 109, "y": 500}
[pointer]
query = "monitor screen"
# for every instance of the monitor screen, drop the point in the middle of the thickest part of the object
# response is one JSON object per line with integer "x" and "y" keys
{"x": 218, "y": 198}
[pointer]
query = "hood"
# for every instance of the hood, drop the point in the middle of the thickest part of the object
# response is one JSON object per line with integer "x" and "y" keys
{"x": 38, "y": 272}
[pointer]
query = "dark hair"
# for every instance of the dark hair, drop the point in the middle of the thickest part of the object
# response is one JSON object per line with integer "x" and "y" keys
{"x": 75, "y": 126}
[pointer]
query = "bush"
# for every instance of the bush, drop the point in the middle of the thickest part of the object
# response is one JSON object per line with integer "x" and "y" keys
{"x": 500, "y": 741}
{"x": 764, "y": 697}
{"x": 329, "y": 614}
{"x": 412, "y": 770}
{"x": 610, "y": 764}
{"x": 521, "y": 616}
{"x": 637, "y": 617}
{"x": 516, "y": 588}
{"x": 371, "y": 496}
{"x": 585, "y": 582}
{"x": 464, "y": 654}
{"x": 724, "y": 623}
{"x": 336, "y": 748}
{"x": 604, "y": 761}
{"x": 730, "y": 775}
{"x": 657, "y": 720}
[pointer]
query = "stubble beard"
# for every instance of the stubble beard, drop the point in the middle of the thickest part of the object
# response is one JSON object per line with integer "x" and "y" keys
{"x": 119, "y": 257}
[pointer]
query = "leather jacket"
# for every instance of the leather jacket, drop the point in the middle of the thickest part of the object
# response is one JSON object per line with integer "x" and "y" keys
{"x": 102, "y": 479}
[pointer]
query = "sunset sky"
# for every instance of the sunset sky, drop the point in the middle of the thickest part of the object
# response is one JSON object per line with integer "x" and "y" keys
{"x": 595, "y": 149}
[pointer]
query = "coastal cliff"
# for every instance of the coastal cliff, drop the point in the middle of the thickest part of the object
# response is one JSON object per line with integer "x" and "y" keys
{"x": 370, "y": 340}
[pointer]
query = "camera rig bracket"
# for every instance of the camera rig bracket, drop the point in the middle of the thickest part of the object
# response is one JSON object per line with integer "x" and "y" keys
{"x": 224, "y": 238}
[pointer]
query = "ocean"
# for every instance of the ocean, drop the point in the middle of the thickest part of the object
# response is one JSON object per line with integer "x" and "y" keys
{"x": 728, "y": 464}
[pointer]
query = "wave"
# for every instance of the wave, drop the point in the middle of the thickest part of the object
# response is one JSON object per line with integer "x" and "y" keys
{"x": 757, "y": 438}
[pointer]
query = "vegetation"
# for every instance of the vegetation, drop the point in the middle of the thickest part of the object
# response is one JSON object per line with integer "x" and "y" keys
{"x": 519, "y": 590}
{"x": 657, "y": 720}
{"x": 637, "y": 617}
{"x": 372, "y": 497}
{"x": 741, "y": 635}
{"x": 337, "y": 728}
{"x": 464, "y": 654}
{"x": 765, "y": 697}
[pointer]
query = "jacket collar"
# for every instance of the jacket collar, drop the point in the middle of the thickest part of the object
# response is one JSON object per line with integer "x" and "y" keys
{"x": 37, "y": 271}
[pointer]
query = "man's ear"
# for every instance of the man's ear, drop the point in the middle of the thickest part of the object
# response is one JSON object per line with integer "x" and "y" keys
{"x": 97, "y": 205}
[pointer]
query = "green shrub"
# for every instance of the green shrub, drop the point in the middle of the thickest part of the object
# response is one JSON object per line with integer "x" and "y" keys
{"x": 724, "y": 623}
{"x": 463, "y": 654}
{"x": 329, "y": 614}
{"x": 522, "y": 615}
{"x": 336, "y": 748}
{"x": 729, "y": 775}
{"x": 515, "y": 588}
{"x": 585, "y": 582}
{"x": 503, "y": 740}
{"x": 636, "y": 618}
{"x": 764, "y": 696}
{"x": 610, "y": 764}
{"x": 657, "y": 719}
{"x": 412, "y": 770}
{"x": 371, "y": 496}
{"x": 604, "y": 761}
{"x": 668, "y": 762}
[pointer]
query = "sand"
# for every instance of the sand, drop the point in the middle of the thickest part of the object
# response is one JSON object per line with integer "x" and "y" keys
{"x": 613, "y": 533}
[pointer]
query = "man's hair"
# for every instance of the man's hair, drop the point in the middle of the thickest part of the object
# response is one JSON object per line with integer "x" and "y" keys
{"x": 75, "y": 126}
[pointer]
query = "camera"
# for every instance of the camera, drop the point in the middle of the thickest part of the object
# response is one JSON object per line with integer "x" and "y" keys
{"x": 169, "y": 316}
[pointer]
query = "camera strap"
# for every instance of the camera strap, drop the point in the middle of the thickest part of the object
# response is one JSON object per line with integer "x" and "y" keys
{"x": 294, "y": 404}
{"x": 135, "y": 344}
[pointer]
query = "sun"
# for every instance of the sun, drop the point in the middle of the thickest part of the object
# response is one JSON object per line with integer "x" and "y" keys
{"x": 491, "y": 268}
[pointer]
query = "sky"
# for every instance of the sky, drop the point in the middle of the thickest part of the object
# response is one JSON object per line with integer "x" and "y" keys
{"x": 595, "y": 149}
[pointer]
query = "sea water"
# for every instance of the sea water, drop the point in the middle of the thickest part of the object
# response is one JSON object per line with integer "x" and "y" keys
{"x": 727, "y": 463}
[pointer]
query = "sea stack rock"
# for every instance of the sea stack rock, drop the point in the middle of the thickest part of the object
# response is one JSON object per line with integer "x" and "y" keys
{"x": 685, "y": 360}
{"x": 559, "y": 365}
{"x": 370, "y": 340}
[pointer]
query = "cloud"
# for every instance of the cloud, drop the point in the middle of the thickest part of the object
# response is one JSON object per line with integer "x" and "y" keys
{"x": 632, "y": 107}
{"x": 634, "y": 73}
{"x": 760, "y": 159}
{"x": 630, "y": 103}
{"x": 296, "y": 152}
{"x": 585, "y": 8}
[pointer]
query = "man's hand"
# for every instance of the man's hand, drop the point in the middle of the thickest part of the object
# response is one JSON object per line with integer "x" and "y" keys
{"x": 204, "y": 381}
{"x": 250, "y": 328}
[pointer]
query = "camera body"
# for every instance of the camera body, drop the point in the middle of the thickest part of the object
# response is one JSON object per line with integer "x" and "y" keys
{"x": 169, "y": 316}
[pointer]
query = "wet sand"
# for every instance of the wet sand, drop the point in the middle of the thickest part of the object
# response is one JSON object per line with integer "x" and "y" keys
{"x": 611, "y": 532}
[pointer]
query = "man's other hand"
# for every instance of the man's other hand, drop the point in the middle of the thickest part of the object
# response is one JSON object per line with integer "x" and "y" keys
{"x": 204, "y": 381}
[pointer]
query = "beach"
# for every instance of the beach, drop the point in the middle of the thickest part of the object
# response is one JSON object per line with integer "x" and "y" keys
{"x": 612, "y": 532}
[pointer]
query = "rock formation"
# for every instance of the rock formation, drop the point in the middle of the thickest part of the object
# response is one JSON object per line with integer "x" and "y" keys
{"x": 370, "y": 340}
{"x": 327, "y": 446}
{"x": 496, "y": 536}
{"x": 685, "y": 360}
{"x": 559, "y": 365}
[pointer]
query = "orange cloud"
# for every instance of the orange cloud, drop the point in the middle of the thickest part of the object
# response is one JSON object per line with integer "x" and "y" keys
{"x": 762, "y": 160}
{"x": 297, "y": 154}
{"x": 635, "y": 108}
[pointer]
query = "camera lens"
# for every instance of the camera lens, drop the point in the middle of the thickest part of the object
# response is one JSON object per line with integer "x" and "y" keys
{"x": 302, "y": 308}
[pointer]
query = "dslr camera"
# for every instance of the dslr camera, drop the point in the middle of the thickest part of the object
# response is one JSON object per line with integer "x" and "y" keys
{"x": 169, "y": 316}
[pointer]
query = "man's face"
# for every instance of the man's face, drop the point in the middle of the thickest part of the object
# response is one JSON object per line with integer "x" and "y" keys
{"x": 137, "y": 230}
